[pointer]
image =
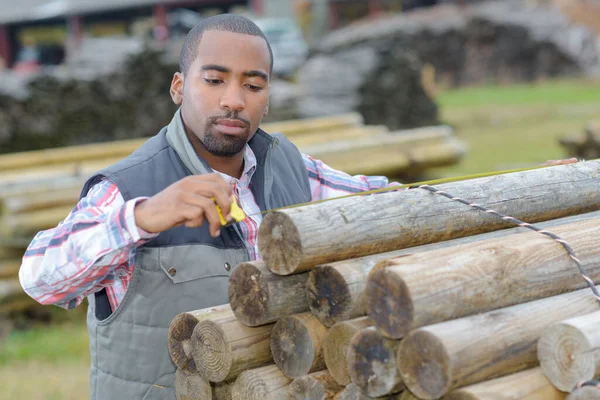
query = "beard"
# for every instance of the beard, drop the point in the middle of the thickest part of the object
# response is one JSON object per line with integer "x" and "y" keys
{"x": 222, "y": 145}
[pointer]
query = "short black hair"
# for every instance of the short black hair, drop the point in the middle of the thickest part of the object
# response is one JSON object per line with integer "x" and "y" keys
{"x": 222, "y": 22}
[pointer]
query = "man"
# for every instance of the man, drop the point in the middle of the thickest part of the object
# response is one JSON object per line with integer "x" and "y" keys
{"x": 145, "y": 243}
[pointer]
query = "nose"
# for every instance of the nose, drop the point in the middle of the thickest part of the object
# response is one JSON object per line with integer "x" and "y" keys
{"x": 233, "y": 98}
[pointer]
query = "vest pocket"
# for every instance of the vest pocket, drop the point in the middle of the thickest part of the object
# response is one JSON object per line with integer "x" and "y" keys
{"x": 162, "y": 388}
{"x": 187, "y": 263}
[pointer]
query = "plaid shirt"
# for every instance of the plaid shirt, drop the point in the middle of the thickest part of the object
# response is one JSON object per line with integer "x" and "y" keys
{"x": 94, "y": 247}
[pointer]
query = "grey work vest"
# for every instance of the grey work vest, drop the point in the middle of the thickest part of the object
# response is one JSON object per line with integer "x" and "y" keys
{"x": 180, "y": 270}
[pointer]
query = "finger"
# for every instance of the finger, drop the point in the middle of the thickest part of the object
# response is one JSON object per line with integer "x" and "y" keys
{"x": 196, "y": 208}
{"x": 220, "y": 191}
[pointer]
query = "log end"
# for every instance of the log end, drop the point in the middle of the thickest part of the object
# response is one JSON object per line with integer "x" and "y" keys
{"x": 389, "y": 304}
{"x": 306, "y": 388}
{"x": 424, "y": 365}
{"x": 279, "y": 243}
{"x": 190, "y": 386}
{"x": 292, "y": 347}
{"x": 179, "y": 342}
{"x": 566, "y": 356}
{"x": 335, "y": 349}
{"x": 248, "y": 295}
{"x": 372, "y": 363}
{"x": 211, "y": 351}
{"x": 328, "y": 296}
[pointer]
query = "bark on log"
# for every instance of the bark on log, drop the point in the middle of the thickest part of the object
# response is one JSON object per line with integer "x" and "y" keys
{"x": 222, "y": 390}
{"x": 265, "y": 383}
{"x": 569, "y": 352}
{"x": 336, "y": 344}
{"x": 316, "y": 386}
{"x": 351, "y": 392}
{"x": 297, "y": 239}
{"x": 530, "y": 384}
{"x": 180, "y": 334}
{"x": 335, "y": 291}
{"x": 435, "y": 359}
{"x": 450, "y": 283}
{"x": 585, "y": 393}
{"x": 297, "y": 344}
{"x": 222, "y": 347}
{"x": 258, "y": 297}
{"x": 372, "y": 363}
{"x": 191, "y": 386}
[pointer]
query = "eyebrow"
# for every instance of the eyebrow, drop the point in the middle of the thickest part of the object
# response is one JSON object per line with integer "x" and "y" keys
{"x": 250, "y": 74}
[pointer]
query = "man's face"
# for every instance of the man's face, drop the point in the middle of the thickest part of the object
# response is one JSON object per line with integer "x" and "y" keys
{"x": 225, "y": 93}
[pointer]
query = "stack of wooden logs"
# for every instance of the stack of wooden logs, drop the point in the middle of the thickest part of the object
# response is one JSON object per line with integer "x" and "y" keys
{"x": 410, "y": 295}
{"x": 39, "y": 188}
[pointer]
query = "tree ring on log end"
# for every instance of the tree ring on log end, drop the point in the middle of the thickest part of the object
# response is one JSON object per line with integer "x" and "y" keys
{"x": 328, "y": 296}
{"x": 212, "y": 352}
{"x": 389, "y": 304}
{"x": 179, "y": 342}
{"x": 279, "y": 243}
{"x": 292, "y": 347}
{"x": 424, "y": 365}
{"x": 566, "y": 356}
{"x": 248, "y": 294}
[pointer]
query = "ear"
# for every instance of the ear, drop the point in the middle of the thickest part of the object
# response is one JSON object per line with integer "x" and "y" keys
{"x": 266, "y": 111}
{"x": 177, "y": 88}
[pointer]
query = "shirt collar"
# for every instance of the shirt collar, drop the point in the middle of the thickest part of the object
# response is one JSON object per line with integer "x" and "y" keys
{"x": 249, "y": 168}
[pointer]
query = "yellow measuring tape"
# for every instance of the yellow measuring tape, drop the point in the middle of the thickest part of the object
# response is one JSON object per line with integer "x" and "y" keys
{"x": 238, "y": 214}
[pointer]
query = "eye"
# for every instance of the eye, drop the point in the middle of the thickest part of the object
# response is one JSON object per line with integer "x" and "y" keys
{"x": 254, "y": 88}
{"x": 212, "y": 81}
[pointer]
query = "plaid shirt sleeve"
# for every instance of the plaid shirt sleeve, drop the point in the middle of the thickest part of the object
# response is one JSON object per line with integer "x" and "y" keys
{"x": 86, "y": 252}
{"x": 326, "y": 182}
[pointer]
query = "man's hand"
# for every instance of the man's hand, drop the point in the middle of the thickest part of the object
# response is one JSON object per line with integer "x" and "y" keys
{"x": 188, "y": 202}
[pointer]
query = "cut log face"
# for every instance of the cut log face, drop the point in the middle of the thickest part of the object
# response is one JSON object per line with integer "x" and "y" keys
{"x": 335, "y": 347}
{"x": 191, "y": 386}
{"x": 435, "y": 359}
{"x": 317, "y": 386}
{"x": 351, "y": 392}
{"x": 372, "y": 363}
{"x": 222, "y": 390}
{"x": 585, "y": 393}
{"x": 530, "y": 384}
{"x": 297, "y": 344}
{"x": 298, "y": 239}
{"x": 265, "y": 383}
{"x": 180, "y": 334}
{"x": 222, "y": 347}
{"x": 445, "y": 284}
{"x": 569, "y": 352}
{"x": 258, "y": 297}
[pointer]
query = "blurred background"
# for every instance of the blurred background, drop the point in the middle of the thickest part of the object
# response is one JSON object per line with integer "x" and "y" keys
{"x": 411, "y": 89}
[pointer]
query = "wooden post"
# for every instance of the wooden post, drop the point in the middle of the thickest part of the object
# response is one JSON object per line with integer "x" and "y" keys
{"x": 222, "y": 347}
{"x": 351, "y": 392}
{"x": 435, "y": 359}
{"x": 585, "y": 393}
{"x": 297, "y": 344}
{"x": 258, "y": 297}
{"x": 372, "y": 363}
{"x": 191, "y": 386}
{"x": 530, "y": 384}
{"x": 336, "y": 344}
{"x": 264, "y": 383}
{"x": 297, "y": 239}
{"x": 445, "y": 284}
{"x": 335, "y": 291}
{"x": 569, "y": 352}
{"x": 222, "y": 390}
{"x": 180, "y": 334}
{"x": 316, "y": 386}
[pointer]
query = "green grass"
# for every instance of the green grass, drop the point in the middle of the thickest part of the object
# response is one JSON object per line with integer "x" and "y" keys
{"x": 516, "y": 126}
{"x": 46, "y": 344}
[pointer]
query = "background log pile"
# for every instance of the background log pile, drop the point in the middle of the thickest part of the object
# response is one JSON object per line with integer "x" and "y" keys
{"x": 408, "y": 295}
{"x": 39, "y": 188}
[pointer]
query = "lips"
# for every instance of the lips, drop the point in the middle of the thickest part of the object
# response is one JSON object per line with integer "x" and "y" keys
{"x": 230, "y": 126}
